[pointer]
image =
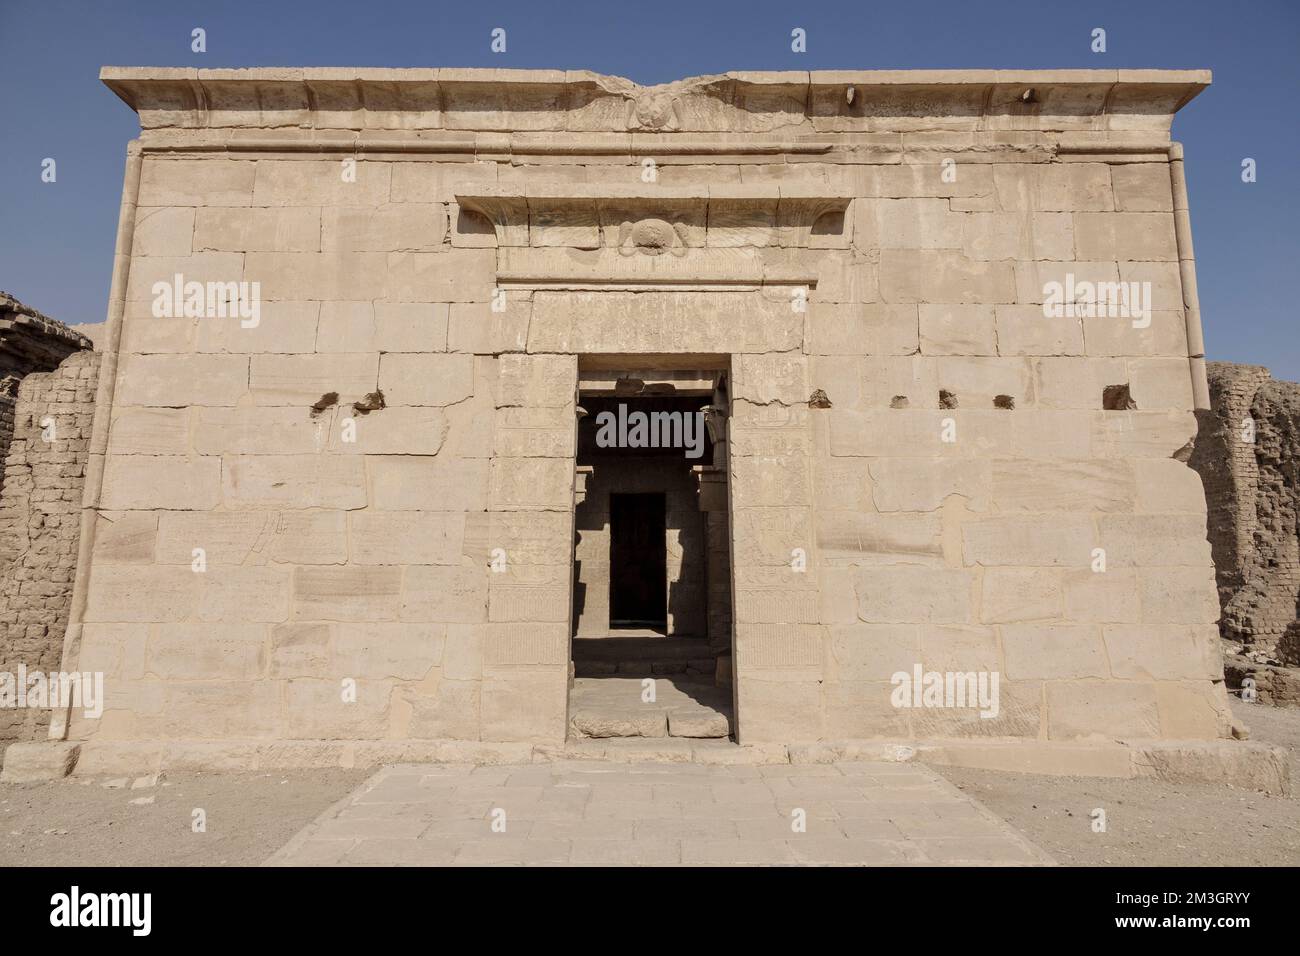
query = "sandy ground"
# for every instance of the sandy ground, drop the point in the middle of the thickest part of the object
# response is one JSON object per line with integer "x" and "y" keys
{"x": 1151, "y": 823}
{"x": 78, "y": 822}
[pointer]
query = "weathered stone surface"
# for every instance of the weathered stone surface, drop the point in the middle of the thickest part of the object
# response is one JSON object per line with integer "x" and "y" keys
{"x": 39, "y": 761}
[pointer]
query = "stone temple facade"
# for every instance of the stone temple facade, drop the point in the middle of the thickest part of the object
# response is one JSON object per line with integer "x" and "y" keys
{"x": 373, "y": 519}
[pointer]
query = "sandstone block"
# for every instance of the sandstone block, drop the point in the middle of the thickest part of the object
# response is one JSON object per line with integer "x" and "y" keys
{"x": 150, "y": 431}
{"x": 1048, "y": 540}
{"x": 293, "y": 481}
{"x": 1016, "y": 235}
{"x": 1178, "y": 595}
{"x": 536, "y": 381}
{"x": 1166, "y": 485}
{"x": 221, "y": 651}
{"x": 347, "y": 593}
{"x": 1053, "y": 186}
{"x": 1193, "y": 710}
{"x": 1063, "y": 485}
{"x": 386, "y": 651}
{"x": 243, "y": 594}
{"x": 1024, "y": 330}
{"x": 426, "y": 379}
{"x": 960, "y": 648}
{"x": 386, "y": 228}
{"x": 320, "y": 183}
{"x": 166, "y": 231}
{"x": 909, "y": 275}
{"x": 957, "y": 330}
{"x": 449, "y": 712}
{"x": 126, "y": 537}
{"x": 129, "y": 593}
{"x": 847, "y": 537}
{"x": 856, "y": 710}
{"x": 201, "y": 182}
{"x": 1149, "y": 541}
{"x": 1053, "y": 651}
{"x": 871, "y": 652}
{"x": 321, "y": 276}
{"x": 771, "y": 379}
{"x": 1082, "y": 709}
{"x": 389, "y": 431}
{"x": 151, "y": 284}
{"x": 862, "y": 330}
{"x": 315, "y": 709}
{"x": 1013, "y": 595}
{"x": 1142, "y": 236}
{"x": 418, "y": 482}
{"x": 406, "y": 537}
{"x": 1163, "y": 652}
{"x": 445, "y": 593}
{"x": 174, "y": 482}
{"x": 301, "y": 380}
{"x": 1142, "y": 187}
{"x": 176, "y": 380}
{"x": 284, "y": 327}
{"x": 474, "y": 327}
{"x": 39, "y": 761}
{"x": 456, "y": 275}
{"x": 525, "y": 707}
{"x": 914, "y": 594}
{"x": 525, "y": 484}
{"x": 257, "y": 229}
{"x": 1101, "y": 596}
{"x": 382, "y": 327}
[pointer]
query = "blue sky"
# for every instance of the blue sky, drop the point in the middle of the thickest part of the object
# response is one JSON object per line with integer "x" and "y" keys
{"x": 56, "y": 240}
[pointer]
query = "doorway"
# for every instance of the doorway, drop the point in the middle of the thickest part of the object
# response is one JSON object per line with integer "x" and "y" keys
{"x": 638, "y": 560}
{"x": 651, "y": 638}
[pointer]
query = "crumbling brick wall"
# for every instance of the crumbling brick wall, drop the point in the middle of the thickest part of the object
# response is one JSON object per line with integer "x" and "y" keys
{"x": 40, "y": 511}
{"x": 1248, "y": 456}
{"x": 8, "y": 399}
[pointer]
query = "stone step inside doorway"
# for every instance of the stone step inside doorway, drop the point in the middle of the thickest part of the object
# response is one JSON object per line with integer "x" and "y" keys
{"x": 644, "y": 655}
{"x": 617, "y": 707}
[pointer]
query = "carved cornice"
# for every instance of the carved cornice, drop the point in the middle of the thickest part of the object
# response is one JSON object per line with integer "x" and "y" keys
{"x": 581, "y": 101}
{"x": 656, "y": 220}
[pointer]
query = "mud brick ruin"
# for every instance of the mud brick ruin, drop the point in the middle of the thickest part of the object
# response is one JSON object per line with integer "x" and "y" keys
{"x": 47, "y": 393}
{"x": 375, "y": 521}
{"x": 1248, "y": 454}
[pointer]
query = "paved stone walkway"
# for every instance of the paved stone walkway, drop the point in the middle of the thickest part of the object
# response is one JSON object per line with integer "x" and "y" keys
{"x": 586, "y": 813}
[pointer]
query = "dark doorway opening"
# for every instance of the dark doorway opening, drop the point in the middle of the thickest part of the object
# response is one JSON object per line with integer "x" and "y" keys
{"x": 638, "y": 559}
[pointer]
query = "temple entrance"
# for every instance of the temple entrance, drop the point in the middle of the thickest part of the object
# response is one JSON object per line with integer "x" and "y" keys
{"x": 652, "y": 570}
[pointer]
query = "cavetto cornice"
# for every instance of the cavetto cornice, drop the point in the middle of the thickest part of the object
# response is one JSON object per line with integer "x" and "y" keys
{"x": 654, "y": 220}
{"x": 411, "y": 100}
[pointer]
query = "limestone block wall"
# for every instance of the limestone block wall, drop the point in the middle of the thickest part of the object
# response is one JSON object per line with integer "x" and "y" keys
{"x": 40, "y": 513}
{"x": 924, "y": 469}
{"x": 1246, "y": 453}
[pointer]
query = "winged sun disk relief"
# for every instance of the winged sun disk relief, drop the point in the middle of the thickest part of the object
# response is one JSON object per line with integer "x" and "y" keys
{"x": 651, "y": 237}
